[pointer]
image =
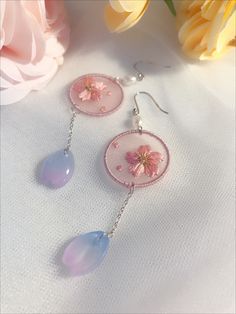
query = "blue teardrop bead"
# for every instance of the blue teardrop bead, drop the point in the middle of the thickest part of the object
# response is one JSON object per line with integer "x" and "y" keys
{"x": 57, "y": 169}
{"x": 86, "y": 252}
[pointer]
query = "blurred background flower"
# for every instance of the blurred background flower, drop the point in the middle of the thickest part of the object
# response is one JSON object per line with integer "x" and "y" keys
{"x": 34, "y": 37}
{"x": 120, "y": 15}
{"x": 207, "y": 28}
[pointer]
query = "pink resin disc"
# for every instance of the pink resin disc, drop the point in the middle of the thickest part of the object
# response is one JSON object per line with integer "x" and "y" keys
{"x": 138, "y": 159}
{"x": 96, "y": 94}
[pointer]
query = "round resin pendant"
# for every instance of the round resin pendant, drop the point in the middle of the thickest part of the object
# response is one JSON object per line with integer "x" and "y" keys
{"x": 96, "y": 94}
{"x": 134, "y": 158}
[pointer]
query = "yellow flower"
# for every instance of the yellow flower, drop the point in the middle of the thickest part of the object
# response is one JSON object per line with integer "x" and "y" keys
{"x": 207, "y": 28}
{"x": 123, "y": 14}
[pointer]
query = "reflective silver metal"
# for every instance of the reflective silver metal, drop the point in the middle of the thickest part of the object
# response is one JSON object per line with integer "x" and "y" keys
{"x": 70, "y": 134}
{"x": 120, "y": 213}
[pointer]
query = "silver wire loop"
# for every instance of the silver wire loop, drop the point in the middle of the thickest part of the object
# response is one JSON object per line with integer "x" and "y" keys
{"x": 121, "y": 211}
{"x": 136, "y": 110}
{"x": 139, "y": 74}
{"x": 132, "y": 79}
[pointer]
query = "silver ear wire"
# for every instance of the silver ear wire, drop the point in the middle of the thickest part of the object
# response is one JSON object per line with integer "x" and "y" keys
{"x": 136, "y": 109}
{"x": 139, "y": 74}
{"x": 137, "y": 120}
{"x": 132, "y": 79}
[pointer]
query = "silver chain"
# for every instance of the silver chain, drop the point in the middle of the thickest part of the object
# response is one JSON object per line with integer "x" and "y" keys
{"x": 70, "y": 134}
{"x": 121, "y": 211}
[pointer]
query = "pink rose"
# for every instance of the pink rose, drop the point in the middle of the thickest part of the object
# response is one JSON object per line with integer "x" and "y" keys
{"x": 34, "y": 37}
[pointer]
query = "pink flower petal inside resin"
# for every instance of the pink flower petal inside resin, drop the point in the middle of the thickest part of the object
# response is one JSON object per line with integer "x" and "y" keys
{"x": 115, "y": 144}
{"x": 144, "y": 158}
{"x": 143, "y": 161}
{"x": 87, "y": 91}
{"x": 119, "y": 168}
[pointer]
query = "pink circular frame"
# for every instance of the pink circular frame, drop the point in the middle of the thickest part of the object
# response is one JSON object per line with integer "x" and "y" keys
{"x": 100, "y": 114}
{"x": 128, "y": 185}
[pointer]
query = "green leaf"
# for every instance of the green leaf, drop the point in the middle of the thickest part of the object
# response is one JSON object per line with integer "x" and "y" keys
{"x": 171, "y": 6}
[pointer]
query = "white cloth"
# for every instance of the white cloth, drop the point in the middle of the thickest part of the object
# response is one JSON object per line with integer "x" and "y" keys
{"x": 174, "y": 249}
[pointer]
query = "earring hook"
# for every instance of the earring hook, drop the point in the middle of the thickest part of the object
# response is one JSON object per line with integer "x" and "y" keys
{"x": 132, "y": 79}
{"x": 137, "y": 111}
{"x": 140, "y": 75}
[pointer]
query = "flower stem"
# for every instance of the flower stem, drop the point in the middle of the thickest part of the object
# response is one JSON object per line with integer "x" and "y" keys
{"x": 171, "y": 6}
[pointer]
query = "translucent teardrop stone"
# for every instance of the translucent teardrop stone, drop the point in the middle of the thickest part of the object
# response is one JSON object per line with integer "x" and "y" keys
{"x": 85, "y": 252}
{"x": 57, "y": 169}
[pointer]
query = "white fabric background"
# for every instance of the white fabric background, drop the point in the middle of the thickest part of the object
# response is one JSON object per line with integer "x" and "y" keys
{"x": 174, "y": 249}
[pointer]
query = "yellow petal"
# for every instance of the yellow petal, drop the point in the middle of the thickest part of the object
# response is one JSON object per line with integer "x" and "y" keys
{"x": 116, "y": 6}
{"x": 232, "y": 42}
{"x": 228, "y": 33}
{"x": 128, "y": 5}
{"x": 196, "y": 35}
{"x": 188, "y": 26}
{"x": 215, "y": 29}
{"x": 195, "y": 6}
{"x": 114, "y": 19}
{"x": 230, "y": 8}
{"x": 210, "y": 8}
{"x": 207, "y": 28}
{"x": 119, "y": 22}
{"x": 133, "y": 5}
{"x": 212, "y": 55}
{"x": 218, "y": 25}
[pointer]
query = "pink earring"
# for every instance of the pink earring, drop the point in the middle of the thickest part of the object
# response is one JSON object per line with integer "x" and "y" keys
{"x": 135, "y": 158}
{"x": 93, "y": 95}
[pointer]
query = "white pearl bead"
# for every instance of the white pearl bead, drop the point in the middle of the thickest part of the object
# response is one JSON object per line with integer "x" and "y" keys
{"x": 128, "y": 80}
{"x": 137, "y": 121}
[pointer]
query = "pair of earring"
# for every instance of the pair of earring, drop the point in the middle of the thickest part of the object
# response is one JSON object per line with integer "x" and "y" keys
{"x": 135, "y": 158}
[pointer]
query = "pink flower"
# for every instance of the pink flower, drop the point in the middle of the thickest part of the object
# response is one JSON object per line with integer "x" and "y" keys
{"x": 34, "y": 37}
{"x": 89, "y": 89}
{"x": 143, "y": 161}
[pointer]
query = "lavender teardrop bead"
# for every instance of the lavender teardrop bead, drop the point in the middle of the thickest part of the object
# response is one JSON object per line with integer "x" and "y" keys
{"x": 57, "y": 169}
{"x": 86, "y": 252}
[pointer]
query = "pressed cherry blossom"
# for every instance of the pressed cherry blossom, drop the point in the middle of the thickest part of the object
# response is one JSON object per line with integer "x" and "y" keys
{"x": 89, "y": 89}
{"x": 143, "y": 161}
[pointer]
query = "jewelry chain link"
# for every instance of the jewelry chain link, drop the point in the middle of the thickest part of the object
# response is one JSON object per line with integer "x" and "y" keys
{"x": 70, "y": 134}
{"x": 121, "y": 211}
